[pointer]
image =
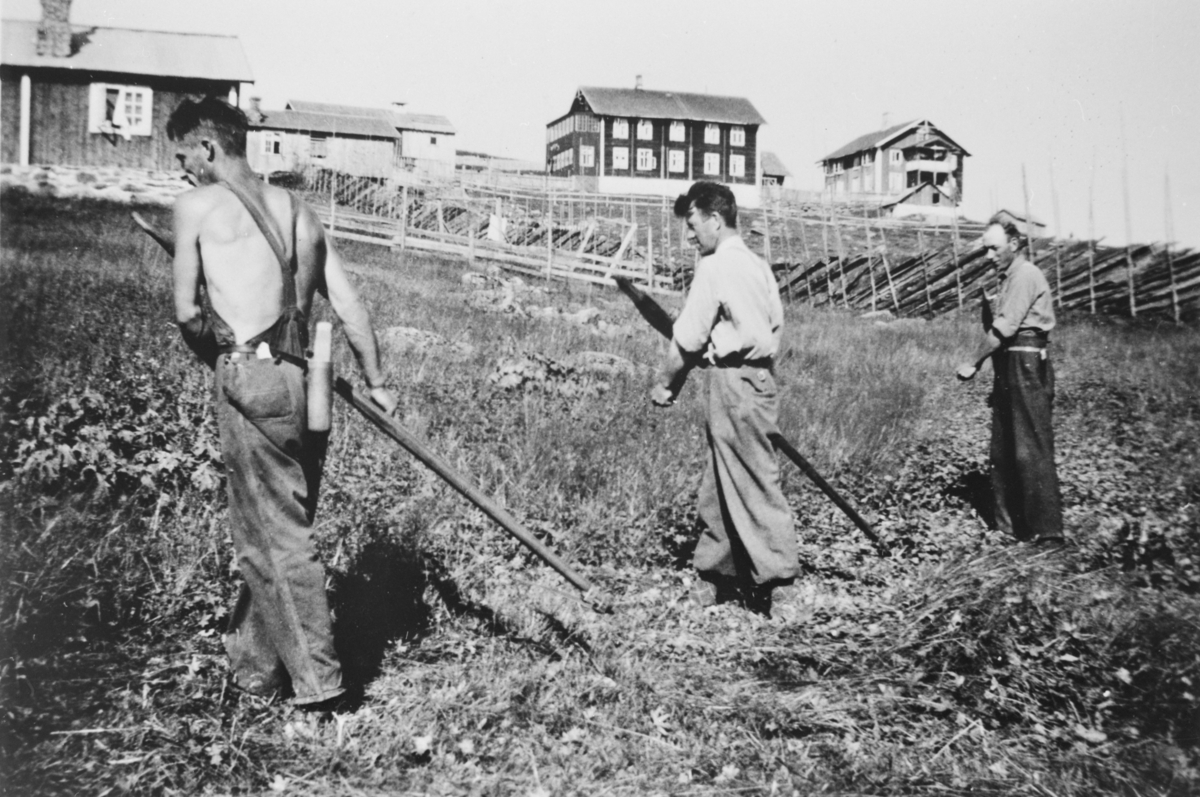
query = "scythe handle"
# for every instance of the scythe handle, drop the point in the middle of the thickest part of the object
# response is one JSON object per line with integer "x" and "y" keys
{"x": 388, "y": 426}
{"x": 658, "y": 318}
{"x": 418, "y": 449}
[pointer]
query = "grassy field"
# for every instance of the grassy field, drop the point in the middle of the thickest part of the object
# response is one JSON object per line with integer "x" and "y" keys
{"x": 962, "y": 664}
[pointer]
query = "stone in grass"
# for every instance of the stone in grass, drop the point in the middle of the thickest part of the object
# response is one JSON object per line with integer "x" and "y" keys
{"x": 877, "y": 315}
{"x": 85, "y": 177}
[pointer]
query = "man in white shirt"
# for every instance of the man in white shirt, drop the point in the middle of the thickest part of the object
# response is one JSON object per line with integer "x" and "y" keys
{"x": 732, "y": 324}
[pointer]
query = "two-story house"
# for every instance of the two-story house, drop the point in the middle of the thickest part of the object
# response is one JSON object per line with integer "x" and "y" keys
{"x": 913, "y": 163}
{"x": 635, "y": 141}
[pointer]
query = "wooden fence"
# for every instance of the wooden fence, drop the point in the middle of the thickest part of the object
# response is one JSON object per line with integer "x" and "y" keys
{"x": 845, "y": 256}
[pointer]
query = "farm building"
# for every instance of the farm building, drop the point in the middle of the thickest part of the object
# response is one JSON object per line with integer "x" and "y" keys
{"x": 915, "y": 163}
{"x": 635, "y": 141}
{"x": 365, "y": 142}
{"x": 1034, "y": 226}
{"x": 773, "y": 170}
{"x": 92, "y": 96}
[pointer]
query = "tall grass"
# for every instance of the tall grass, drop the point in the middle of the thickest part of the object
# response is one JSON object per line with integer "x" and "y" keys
{"x": 939, "y": 670}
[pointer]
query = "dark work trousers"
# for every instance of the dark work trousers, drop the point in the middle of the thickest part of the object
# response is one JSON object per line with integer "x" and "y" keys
{"x": 748, "y": 523}
{"x": 1024, "y": 479}
{"x": 281, "y": 620}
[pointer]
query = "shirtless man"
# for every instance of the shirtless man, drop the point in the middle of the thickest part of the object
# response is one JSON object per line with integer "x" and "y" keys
{"x": 242, "y": 305}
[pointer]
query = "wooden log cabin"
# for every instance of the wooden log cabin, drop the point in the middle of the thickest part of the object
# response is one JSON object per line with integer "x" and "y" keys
{"x": 94, "y": 96}
{"x": 637, "y": 141}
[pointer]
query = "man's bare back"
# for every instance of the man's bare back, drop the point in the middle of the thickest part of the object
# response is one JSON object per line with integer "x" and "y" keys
{"x": 240, "y": 270}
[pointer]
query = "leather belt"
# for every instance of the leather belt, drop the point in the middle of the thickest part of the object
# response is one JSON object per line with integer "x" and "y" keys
{"x": 244, "y": 348}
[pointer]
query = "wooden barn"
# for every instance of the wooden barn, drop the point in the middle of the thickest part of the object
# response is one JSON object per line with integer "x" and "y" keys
{"x": 914, "y": 160}
{"x": 360, "y": 141}
{"x": 292, "y": 140}
{"x": 93, "y": 96}
{"x": 656, "y": 142}
{"x": 773, "y": 170}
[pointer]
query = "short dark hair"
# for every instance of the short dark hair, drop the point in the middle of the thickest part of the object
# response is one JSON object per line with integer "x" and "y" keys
{"x": 709, "y": 198}
{"x": 214, "y": 116}
{"x": 1011, "y": 232}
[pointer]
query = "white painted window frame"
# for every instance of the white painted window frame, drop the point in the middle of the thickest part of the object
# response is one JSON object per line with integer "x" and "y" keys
{"x": 98, "y": 116}
{"x": 620, "y": 128}
{"x": 620, "y": 158}
{"x": 712, "y": 163}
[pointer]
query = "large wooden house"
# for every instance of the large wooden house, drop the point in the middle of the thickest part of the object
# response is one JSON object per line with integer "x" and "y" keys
{"x": 93, "y": 96}
{"x": 913, "y": 163}
{"x": 361, "y": 141}
{"x": 635, "y": 141}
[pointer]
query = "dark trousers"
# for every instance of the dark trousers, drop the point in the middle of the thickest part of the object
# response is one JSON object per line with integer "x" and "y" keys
{"x": 748, "y": 523}
{"x": 1024, "y": 479}
{"x": 281, "y": 620}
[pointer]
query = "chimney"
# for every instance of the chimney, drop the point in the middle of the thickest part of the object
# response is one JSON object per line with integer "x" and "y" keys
{"x": 637, "y": 84}
{"x": 254, "y": 113}
{"x": 886, "y": 118}
{"x": 54, "y": 31}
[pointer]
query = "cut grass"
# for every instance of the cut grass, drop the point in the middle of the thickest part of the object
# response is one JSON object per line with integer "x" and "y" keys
{"x": 944, "y": 669}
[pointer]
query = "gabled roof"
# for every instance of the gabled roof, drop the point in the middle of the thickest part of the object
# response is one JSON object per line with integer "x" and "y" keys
{"x": 424, "y": 122}
{"x": 300, "y": 121}
{"x": 428, "y": 123}
{"x": 671, "y": 105}
{"x": 136, "y": 52}
{"x": 881, "y": 137}
{"x": 772, "y": 165}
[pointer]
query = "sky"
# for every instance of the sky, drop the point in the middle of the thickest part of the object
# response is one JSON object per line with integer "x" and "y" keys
{"x": 1064, "y": 96}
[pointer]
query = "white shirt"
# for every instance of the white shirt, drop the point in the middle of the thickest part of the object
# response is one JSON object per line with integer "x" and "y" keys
{"x": 733, "y": 307}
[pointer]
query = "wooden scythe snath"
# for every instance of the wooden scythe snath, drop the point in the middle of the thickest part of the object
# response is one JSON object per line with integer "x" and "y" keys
{"x": 660, "y": 319}
{"x": 415, "y": 446}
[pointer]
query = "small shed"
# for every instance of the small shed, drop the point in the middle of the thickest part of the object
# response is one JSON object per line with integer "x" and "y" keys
{"x": 773, "y": 170}
{"x": 1034, "y": 226}
{"x": 95, "y": 96}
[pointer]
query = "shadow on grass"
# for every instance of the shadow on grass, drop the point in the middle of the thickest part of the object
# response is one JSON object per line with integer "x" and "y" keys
{"x": 376, "y": 602}
{"x": 975, "y": 488}
{"x": 557, "y": 633}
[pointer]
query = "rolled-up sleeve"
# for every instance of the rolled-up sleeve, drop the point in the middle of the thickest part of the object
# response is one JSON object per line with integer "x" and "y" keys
{"x": 695, "y": 323}
{"x": 1014, "y": 303}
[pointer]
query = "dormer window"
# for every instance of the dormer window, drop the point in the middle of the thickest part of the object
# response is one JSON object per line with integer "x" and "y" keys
{"x": 620, "y": 128}
{"x": 737, "y": 136}
{"x": 645, "y": 130}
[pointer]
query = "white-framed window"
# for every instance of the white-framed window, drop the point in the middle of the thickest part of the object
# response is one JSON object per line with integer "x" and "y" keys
{"x": 678, "y": 132}
{"x": 645, "y": 159}
{"x": 587, "y": 155}
{"x": 272, "y": 142}
{"x": 868, "y": 157}
{"x": 318, "y": 145}
{"x": 563, "y": 159}
{"x": 621, "y": 157}
{"x": 712, "y": 163}
{"x": 895, "y": 156}
{"x": 737, "y": 165}
{"x": 737, "y": 137}
{"x": 712, "y": 134}
{"x": 620, "y": 128}
{"x": 676, "y": 160}
{"x": 645, "y": 130}
{"x": 124, "y": 110}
